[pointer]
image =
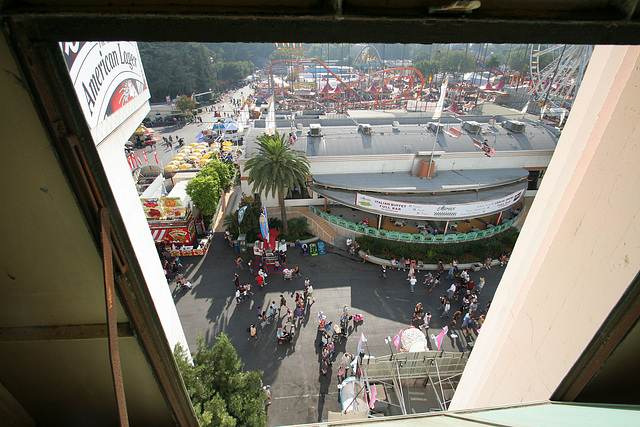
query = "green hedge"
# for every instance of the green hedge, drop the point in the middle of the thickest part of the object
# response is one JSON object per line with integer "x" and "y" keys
{"x": 430, "y": 254}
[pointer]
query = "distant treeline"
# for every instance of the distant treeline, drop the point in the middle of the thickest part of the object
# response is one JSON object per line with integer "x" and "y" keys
{"x": 184, "y": 68}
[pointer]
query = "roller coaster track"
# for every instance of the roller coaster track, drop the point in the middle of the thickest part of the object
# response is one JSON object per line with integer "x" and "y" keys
{"x": 347, "y": 87}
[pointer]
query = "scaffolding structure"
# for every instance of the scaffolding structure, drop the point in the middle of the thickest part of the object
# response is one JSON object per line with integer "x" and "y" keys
{"x": 439, "y": 370}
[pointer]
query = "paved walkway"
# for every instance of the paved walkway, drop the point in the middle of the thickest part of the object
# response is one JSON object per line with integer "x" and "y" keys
{"x": 300, "y": 393}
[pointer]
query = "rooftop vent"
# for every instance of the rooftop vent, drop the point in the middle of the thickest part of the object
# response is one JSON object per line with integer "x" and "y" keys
{"x": 395, "y": 124}
{"x": 299, "y": 126}
{"x": 315, "y": 129}
{"x": 367, "y": 130}
{"x": 436, "y": 127}
{"x": 514, "y": 126}
{"x": 472, "y": 127}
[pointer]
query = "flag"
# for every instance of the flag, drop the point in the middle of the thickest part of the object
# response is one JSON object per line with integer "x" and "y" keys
{"x": 443, "y": 95}
{"x": 440, "y": 337}
{"x": 372, "y": 396}
{"x": 129, "y": 161}
{"x": 155, "y": 154}
{"x": 144, "y": 153}
{"x": 361, "y": 341}
{"x": 396, "y": 340}
{"x": 241, "y": 212}
{"x": 168, "y": 98}
{"x": 264, "y": 226}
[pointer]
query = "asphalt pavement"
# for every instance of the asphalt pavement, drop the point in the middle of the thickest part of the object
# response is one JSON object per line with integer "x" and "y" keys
{"x": 189, "y": 131}
{"x": 300, "y": 393}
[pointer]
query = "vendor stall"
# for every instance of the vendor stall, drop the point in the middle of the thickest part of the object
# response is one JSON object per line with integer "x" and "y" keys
{"x": 173, "y": 219}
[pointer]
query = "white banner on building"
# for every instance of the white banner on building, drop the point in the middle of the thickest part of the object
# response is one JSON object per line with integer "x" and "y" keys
{"x": 460, "y": 211}
{"x": 106, "y": 76}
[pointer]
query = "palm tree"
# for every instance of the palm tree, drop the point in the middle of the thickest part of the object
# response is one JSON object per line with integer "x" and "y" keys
{"x": 276, "y": 168}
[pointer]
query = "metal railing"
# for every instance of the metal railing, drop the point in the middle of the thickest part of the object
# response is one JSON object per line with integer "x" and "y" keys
{"x": 417, "y": 237}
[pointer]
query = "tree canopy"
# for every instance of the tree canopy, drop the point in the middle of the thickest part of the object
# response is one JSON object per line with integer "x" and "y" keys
{"x": 275, "y": 167}
{"x": 175, "y": 68}
{"x": 185, "y": 104}
{"x": 222, "y": 394}
{"x": 204, "y": 188}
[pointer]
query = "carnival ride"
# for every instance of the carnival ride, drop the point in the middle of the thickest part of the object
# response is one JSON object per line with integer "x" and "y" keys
{"x": 380, "y": 89}
{"x": 556, "y": 83}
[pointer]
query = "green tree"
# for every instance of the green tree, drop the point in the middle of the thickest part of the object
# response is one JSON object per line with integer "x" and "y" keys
{"x": 204, "y": 190}
{"x": 275, "y": 168}
{"x": 222, "y": 394}
{"x": 224, "y": 171}
{"x": 185, "y": 104}
{"x": 251, "y": 217}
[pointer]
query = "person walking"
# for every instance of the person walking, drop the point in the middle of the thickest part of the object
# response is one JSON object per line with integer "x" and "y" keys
{"x": 272, "y": 313}
{"x": 262, "y": 274}
{"x": 445, "y": 311}
{"x": 236, "y": 280}
{"x": 427, "y": 319}
{"x": 434, "y": 282}
{"x": 412, "y": 282}
{"x": 252, "y": 332}
{"x": 267, "y": 394}
{"x": 239, "y": 263}
{"x": 383, "y": 272}
{"x": 451, "y": 291}
{"x": 449, "y": 275}
{"x": 456, "y": 317}
{"x": 283, "y": 303}
{"x": 296, "y": 272}
{"x": 480, "y": 285}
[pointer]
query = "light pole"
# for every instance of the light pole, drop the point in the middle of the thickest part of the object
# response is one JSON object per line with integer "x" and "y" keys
{"x": 388, "y": 340}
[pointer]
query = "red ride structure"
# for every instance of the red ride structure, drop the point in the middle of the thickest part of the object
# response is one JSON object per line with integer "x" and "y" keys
{"x": 408, "y": 85}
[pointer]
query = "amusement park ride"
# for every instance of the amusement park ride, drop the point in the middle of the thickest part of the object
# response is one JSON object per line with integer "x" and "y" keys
{"x": 300, "y": 83}
{"x": 312, "y": 84}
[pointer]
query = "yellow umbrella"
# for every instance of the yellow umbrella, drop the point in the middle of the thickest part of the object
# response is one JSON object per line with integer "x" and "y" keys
{"x": 193, "y": 144}
{"x": 204, "y": 161}
{"x": 193, "y": 158}
{"x": 206, "y": 156}
{"x": 185, "y": 166}
{"x": 177, "y": 159}
{"x": 171, "y": 167}
{"x": 227, "y": 143}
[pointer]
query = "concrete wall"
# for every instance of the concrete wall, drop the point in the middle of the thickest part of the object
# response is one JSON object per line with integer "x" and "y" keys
{"x": 579, "y": 247}
{"x": 124, "y": 190}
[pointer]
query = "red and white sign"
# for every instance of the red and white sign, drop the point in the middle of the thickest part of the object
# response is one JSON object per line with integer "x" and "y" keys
{"x": 106, "y": 76}
{"x": 459, "y": 211}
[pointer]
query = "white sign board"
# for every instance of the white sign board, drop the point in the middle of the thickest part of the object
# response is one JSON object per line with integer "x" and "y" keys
{"x": 106, "y": 76}
{"x": 460, "y": 211}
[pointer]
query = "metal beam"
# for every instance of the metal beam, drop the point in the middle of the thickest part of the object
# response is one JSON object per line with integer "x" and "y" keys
{"x": 62, "y": 332}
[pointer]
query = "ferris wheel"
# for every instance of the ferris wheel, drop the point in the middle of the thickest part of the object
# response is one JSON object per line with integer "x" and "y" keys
{"x": 556, "y": 72}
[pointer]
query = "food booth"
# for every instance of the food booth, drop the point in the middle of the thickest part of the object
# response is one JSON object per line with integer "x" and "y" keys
{"x": 174, "y": 221}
